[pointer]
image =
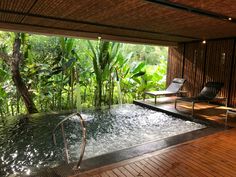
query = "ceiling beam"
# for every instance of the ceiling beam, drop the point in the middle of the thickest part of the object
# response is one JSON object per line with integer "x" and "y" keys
{"x": 194, "y": 10}
{"x": 93, "y": 24}
{"x": 82, "y": 33}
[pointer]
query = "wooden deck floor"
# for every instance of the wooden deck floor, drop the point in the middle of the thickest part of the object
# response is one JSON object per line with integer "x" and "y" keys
{"x": 213, "y": 155}
{"x": 202, "y": 110}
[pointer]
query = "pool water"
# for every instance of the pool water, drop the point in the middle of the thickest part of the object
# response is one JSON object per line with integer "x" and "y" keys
{"x": 26, "y": 144}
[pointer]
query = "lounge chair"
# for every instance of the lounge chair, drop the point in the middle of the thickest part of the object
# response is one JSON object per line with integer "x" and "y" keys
{"x": 207, "y": 94}
{"x": 229, "y": 111}
{"x": 173, "y": 89}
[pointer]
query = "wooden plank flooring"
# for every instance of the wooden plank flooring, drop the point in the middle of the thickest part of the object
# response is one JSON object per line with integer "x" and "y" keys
{"x": 210, "y": 156}
{"x": 202, "y": 110}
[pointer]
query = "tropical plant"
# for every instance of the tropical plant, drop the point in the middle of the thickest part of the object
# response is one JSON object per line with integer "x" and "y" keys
{"x": 104, "y": 57}
{"x": 66, "y": 73}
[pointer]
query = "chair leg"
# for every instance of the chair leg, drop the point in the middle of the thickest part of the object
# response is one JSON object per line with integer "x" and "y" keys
{"x": 226, "y": 118}
{"x": 175, "y": 103}
{"x": 193, "y": 108}
{"x": 155, "y": 99}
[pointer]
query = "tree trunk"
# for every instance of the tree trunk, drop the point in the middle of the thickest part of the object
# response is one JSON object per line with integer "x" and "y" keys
{"x": 18, "y": 102}
{"x": 99, "y": 101}
{"x": 8, "y": 112}
{"x": 72, "y": 87}
{"x": 22, "y": 89}
{"x": 1, "y": 112}
{"x": 12, "y": 109}
{"x": 16, "y": 77}
{"x": 60, "y": 92}
{"x": 85, "y": 90}
{"x": 110, "y": 90}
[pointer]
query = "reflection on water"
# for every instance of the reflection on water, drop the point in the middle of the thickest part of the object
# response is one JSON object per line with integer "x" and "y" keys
{"x": 26, "y": 145}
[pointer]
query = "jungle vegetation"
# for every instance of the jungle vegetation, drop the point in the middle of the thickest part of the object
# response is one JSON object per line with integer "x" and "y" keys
{"x": 47, "y": 73}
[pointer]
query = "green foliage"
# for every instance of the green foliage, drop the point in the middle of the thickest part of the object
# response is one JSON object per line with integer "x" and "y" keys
{"x": 104, "y": 56}
{"x": 68, "y": 73}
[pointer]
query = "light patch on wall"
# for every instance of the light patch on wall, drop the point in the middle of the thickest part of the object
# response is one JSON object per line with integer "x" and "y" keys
{"x": 223, "y": 58}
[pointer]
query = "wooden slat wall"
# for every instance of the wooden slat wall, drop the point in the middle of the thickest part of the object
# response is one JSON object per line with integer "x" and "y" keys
{"x": 232, "y": 94}
{"x": 218, "y": 63}
{"x": 214, "y": 61}
{"x": 175, "y": 63}
{"x": 193, "y": 68}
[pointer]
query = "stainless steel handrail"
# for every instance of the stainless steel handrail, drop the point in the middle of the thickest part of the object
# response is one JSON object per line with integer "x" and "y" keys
{"x": 82, "y": 149}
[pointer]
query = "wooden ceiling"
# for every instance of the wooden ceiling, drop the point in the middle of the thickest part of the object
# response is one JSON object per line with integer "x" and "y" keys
{"x": 163, "y": 22}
